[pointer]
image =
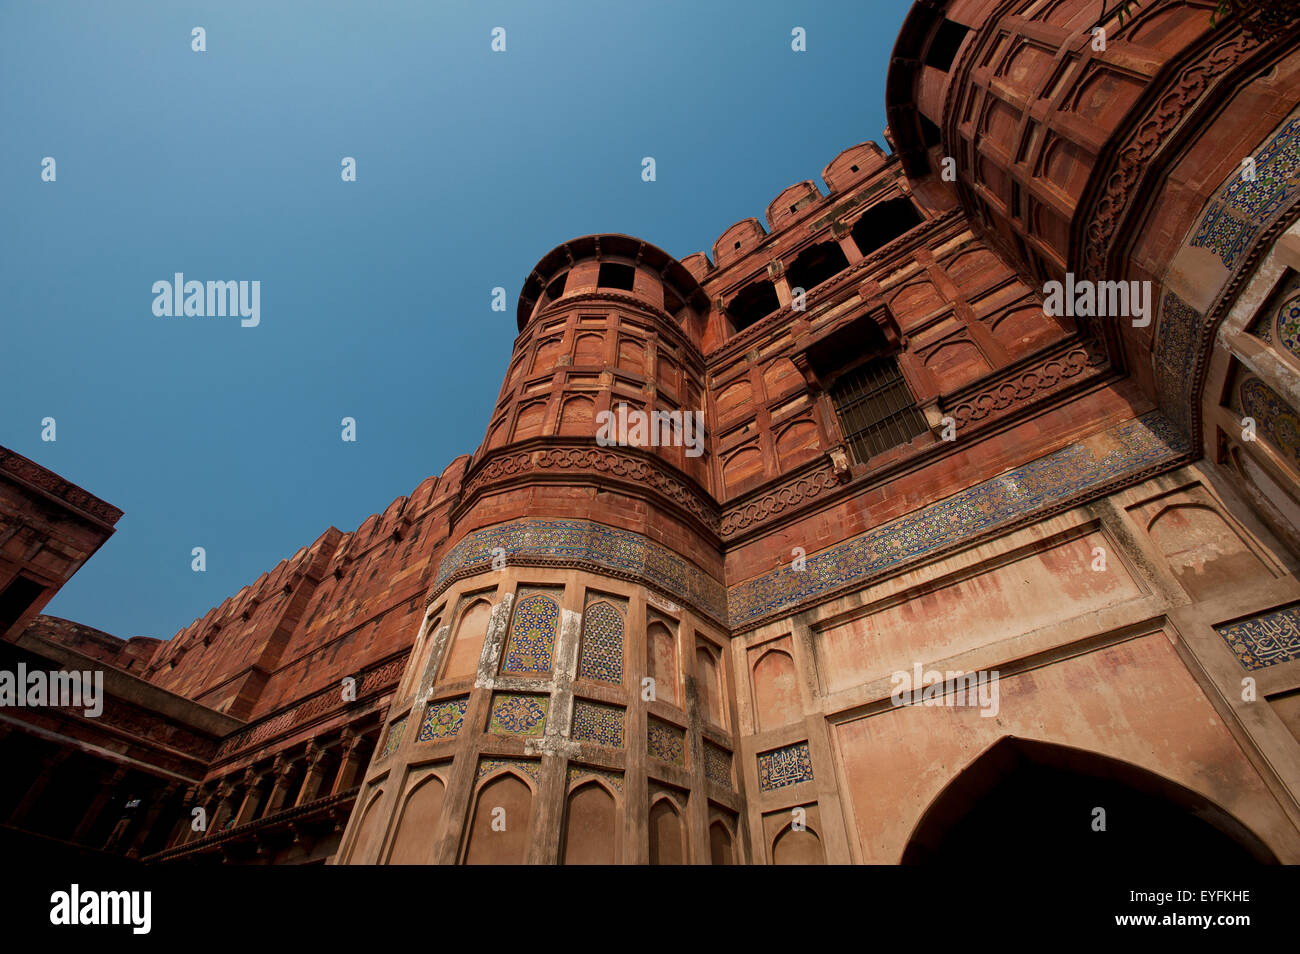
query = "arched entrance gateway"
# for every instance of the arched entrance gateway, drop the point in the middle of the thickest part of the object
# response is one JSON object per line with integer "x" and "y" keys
{"x": 1023, "y": 800}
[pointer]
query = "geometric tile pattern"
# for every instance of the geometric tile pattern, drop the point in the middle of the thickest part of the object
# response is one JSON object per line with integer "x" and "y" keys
{"x": 1274, "y": 418}
{"x": 788, "y": 766}
{"x": 1178, "y": 338}
{"x": 579, "y": 772}
{"x": 1236, "y": 216}
{"x": 1241, "y": 210}
{"x": 443, "y": 720}
{"x": 717, "y": 764}
{"x": 593, "y": 722}
{"x": 1055, "y": 478}
{"x": 1280, "y": 316}
{"x": 1288, "y": 323}
{"x": 1265, "y": 640}
{"x": 529, "y": 767}
{"x": 602, "y": 644}
{"x": 519, "y": 714}
{"x": 1278, "y": 322}
{"x": 566, "y": 541}
{"x": 666, "y": 741}
{"x": 532, "y": 637}
{"x": 1052, "y": 480}
{"x": 394, "y": 738}
{"x": 1262, "y": 327}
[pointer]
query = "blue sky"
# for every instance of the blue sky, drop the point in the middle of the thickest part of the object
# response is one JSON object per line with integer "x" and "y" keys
{"x": 375, "y": 295}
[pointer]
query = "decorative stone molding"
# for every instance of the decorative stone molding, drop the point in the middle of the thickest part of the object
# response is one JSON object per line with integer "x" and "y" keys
{"x": 790, "y": 494}
{"x": 34, "y": 475}
{"x": 623, "y": 465}
{"x": 1114, "y": 198}
{"x": 370, "y": 682}
{"x": 1029, "y": 385}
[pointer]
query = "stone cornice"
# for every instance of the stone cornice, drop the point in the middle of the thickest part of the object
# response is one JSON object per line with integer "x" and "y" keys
{"x": 628, "y": 468}
{"x": 32, "y": 475}
{"x": 372, "y": 681}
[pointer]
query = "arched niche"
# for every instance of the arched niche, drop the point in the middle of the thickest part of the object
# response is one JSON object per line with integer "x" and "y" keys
{"x": 418, "y": 823}
{"x": 591, "y": 827}
{"x": 661, "y": 661}
{"x": 776, "y": 693}
{"x": 467, "y": 645}
{"x": 502, "y": 824}
{"x": 797, "y": 847}
{"x": 667, "y": 833}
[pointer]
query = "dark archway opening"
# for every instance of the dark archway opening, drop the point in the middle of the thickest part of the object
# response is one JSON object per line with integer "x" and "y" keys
{"x": 816, "y": 264}
{"x": 884, "y": 222}
{"x": 1022, "y": 802}
{"x": 755, "y": 301}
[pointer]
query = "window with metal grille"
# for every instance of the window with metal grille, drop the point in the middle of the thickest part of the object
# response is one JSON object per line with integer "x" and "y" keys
{"x": 876, "y": 409}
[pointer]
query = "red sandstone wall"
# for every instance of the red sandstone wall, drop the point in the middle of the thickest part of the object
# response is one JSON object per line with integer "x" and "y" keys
{"x": 331, "y": 609}
{"x": 131, "y": 655}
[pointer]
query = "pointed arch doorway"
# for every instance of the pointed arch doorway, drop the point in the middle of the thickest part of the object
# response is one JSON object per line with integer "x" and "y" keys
{"x": 1024, "y": 801}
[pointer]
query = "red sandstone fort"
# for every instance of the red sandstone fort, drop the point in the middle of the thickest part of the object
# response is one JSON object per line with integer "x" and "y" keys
{"x": 637, "y": 655}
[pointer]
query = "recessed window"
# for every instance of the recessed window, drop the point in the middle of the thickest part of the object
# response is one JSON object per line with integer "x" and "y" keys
{"x": 884, "y": 222}
{"x": 755, "y": 301}
{"x": 16, "y": 599}
{"x": 556, "y": 288}
{"x": 816, "y": 264}
{"x": 876, "y": 409}
{"x": 614, "y": 275}
{"x": 930, "y": 134}
{"x": 943, "y": 48}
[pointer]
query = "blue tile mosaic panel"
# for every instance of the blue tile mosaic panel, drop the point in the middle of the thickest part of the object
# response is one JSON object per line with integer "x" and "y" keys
{"x": 596, "y": 722}
{"x": 1287, "y": 321}
{"x": 528, "y": 767}
{"x": 532, "y": 637}
{"x": 1056, "y": 479}
{"x": 578, "y": 773}
{"x": 666, "y": 741}
{"x": 1178, "y": 338}
{"x": 1265, "y": 640}
{"x": 1053, "y": 479}
{"x": 394, "y": 737}
{"x": 518, "y": 714}
{"x": 1241, "y": 210}
{"x": 602, "y": 644}
{"x": 1278, "y": 322}
{"x": 565, "y": 541}
{"x": 717, "y": 764}
{"x": 1275, "y": 420}
{"x": 786, "y": 766}
{"x": 443, "y": 720}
